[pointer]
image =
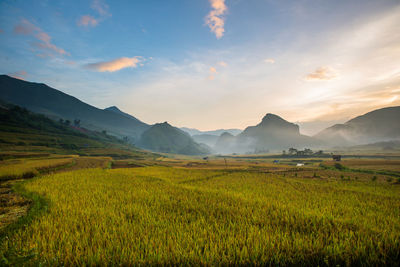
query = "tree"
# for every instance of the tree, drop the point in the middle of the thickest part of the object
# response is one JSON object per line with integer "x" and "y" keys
{"x": 67, "y": 122}
{"x": 77, "y": 123}
{"x": 292, "y": 151}
{"x": 308, "y": 151}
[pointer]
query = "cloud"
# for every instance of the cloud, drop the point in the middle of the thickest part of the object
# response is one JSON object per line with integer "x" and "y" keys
{"x": 213, "y": 70}
{"x": 269, "y": 60}
{"x": 215, "y": 19}
{"x": 25, "y": 27}
{"x": 222, "y": 64}
{"x": 114, "y": 65}
{"x": 87, "y": 20}
{"x": 1, "y": 31}
{"x": 18, "y": 74}
{"x": 321, "y": 74}
{"x": 101, "y": 7}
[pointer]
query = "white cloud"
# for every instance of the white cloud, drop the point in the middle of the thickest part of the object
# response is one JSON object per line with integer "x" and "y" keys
{"x": 101, "y": 7}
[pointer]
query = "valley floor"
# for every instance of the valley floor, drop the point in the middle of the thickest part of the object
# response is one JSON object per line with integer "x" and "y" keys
{"x": 95, "y": 211}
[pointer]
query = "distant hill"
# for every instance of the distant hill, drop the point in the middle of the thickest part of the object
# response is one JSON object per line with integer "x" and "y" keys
{"x": 375, "y": 126}
{"x": 218, "y": 132}
{"x": 226, "y": 143}
{"x": 162, "y": 137}
{"x": 43, "y": 99}
{"x": 271, "y": 134}
{"x": 207, "y": 139}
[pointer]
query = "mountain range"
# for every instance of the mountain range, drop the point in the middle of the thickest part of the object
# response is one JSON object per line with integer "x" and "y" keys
{"x": 273, "y": 133}
{"x": 375, "y": 126}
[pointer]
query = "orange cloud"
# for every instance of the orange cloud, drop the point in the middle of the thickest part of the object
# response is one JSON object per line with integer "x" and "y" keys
{"x": 321, "y": 74}
{"x": 114, "y": 65}
{"x": 213, "y": 70}
{"x": 215, "y": 19}
{"x": 25, "y": 27}
{"x": 269, "y": 60}
{"x": 87, "y": 20}
{"x": 222, "y": 64}
{"x": 18, "y": 74}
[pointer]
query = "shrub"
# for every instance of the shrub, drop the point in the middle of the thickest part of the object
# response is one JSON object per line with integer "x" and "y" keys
{"x": 339, "y": 166}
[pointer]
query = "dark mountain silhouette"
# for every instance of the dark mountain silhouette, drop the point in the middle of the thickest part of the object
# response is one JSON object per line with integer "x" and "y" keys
{"x": 375, "y": 126}
{"x": 55, "y": 104}
{"x": 162, "y": 137}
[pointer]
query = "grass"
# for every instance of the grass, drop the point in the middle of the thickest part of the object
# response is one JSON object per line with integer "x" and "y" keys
{"x": 210, "y": 216}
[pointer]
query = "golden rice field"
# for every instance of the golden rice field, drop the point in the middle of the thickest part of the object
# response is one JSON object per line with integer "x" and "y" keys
{"x": 26, "y": 168}
{"x": 177, "y": 215}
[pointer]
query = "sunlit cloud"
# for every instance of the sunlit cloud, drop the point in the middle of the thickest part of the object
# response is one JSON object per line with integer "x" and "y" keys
{"x": 25, "y": 27}
{"x": 114, "y": 65}
{"x": 269, "y": 60}
{"x": 18, "y": 74}
{"x": 222, "y": 64}
{"x": 215, "y": 19}
{"x": 101, "y": 7}
{"x": 321, "y": 74}
{"x": 213, "y": 72}
{"x": 87, "y": 20}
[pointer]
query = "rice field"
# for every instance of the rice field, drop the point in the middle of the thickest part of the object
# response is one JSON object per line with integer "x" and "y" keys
{"x": 27, "y": 168}
{"x": 186, "y": 215}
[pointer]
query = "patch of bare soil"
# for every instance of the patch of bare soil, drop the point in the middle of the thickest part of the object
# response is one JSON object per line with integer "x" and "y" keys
{"x": 12, "y": 206}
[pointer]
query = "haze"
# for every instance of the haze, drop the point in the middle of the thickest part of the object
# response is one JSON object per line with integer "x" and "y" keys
{"x": 211, "y": 64}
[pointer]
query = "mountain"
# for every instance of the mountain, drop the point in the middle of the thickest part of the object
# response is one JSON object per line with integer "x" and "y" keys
{"x": 218, "y": 132}
{"x": 375, "y": 126}
{"x": 162, "y": 137}
{"x": 226, "y": 143}
{"x": 55, "y": 104}
{"x": 23, "y": 130}
{"x": 207, "y": 139}
{"x": 271, "y": 134}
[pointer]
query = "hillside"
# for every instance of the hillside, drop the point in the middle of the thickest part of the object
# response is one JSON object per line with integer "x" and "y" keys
{"x": 375, "y": 126}
{"x": 162, "y": 137}
{"x": 22, "y": 130}
{"x": 43, "y": 99}
{"x": 271, "y": 134}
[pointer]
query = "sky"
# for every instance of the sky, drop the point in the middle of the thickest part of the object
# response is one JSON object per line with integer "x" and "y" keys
{"x": 211, "y": 64}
